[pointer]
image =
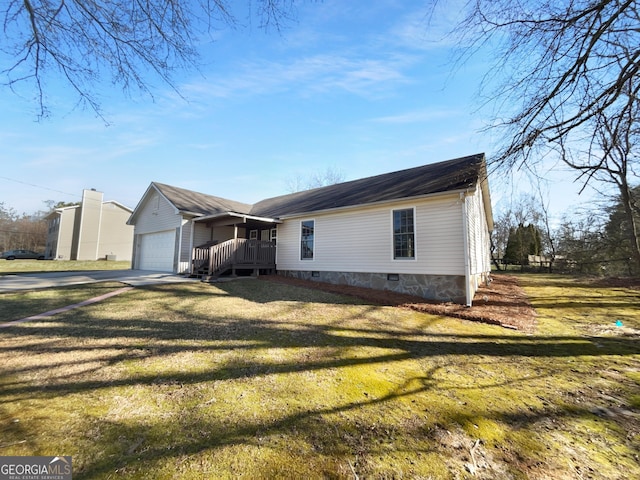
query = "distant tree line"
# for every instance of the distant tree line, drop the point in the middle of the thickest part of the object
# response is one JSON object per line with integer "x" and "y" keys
{"x": 21, "y": 231}
{"x": 598, "y": 241}
{"x": 25, "y": 231}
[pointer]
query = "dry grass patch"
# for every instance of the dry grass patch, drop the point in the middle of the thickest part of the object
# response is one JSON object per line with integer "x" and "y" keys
{"x": 261, "y": 380}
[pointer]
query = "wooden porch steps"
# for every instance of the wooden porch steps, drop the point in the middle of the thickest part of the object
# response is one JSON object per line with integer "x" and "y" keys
{"x": 212, "y": 261}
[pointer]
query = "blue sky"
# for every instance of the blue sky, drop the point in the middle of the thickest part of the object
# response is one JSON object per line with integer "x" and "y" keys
{"x": 364, "y": 89}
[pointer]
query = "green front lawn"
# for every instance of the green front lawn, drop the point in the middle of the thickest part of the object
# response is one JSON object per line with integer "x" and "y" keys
{"x": 253, "y": 379}
{"x": 32, "y": 266}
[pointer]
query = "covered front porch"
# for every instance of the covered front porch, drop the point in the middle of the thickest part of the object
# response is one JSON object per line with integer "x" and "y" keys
{"x": 236, "y": 244}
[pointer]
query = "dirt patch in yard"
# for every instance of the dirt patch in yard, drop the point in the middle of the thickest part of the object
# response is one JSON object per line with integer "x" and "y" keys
{"x": 503, "y": 302}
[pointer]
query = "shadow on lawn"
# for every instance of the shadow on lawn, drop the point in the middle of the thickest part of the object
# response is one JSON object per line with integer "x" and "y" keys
{"x": 144, "y": 338}
{"x": 325, "y": 431}
{"x": 135, "y": 443}
{"x": 328, "y": 432}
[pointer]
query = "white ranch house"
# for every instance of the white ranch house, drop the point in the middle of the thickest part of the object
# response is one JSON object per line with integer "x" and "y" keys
{"x": 423, "y": 231}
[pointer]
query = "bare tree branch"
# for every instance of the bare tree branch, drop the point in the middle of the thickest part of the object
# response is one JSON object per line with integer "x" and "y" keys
{"x": 126, "y": 42}
{"x": 560, "y": 64}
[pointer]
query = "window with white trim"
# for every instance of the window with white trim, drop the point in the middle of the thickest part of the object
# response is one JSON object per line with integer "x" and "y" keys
{"x": 404, "y": 237}
{"x": 307, "y": 239}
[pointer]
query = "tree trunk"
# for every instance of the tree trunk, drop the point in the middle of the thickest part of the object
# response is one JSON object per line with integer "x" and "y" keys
{"x": 625, "y": 194}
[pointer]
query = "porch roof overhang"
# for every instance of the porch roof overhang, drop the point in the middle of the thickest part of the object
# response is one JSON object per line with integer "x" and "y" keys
{"x": 241, "y": 217}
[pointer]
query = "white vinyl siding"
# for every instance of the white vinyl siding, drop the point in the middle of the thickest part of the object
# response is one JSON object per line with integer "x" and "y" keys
{"x": 479, "y": 240}
{"x": 360, "y": 240}
{"x": 156, "y": 215}
{"x": 116, "y": 237}
{"x": 68, "y": 219}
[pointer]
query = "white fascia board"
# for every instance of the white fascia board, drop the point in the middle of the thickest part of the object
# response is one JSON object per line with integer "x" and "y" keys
{"x": 124, "y": 207}
{"x": 58, "y": 211}
{"x": 216, "y": 216}
{"x": 144, "y": 198}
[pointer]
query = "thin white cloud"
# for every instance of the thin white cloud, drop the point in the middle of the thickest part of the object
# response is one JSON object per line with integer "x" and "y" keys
{"x": 425, "y": 28}
{"x": 63, "y": 155}
{"x": 314, "y": 74}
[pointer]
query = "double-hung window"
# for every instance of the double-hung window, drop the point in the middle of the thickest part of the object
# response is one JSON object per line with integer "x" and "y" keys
{"x": 404, "y": 234}
{"x": 307, "y": 239}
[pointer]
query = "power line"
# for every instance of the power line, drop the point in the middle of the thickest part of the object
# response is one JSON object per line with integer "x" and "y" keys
{"x": 39, "y": 186}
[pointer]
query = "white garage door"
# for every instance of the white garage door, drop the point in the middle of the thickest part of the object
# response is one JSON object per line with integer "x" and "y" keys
{"x": 157, "y": 251}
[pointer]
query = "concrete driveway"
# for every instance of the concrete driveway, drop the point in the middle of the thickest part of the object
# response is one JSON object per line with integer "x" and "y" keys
{"x": 134, "y": 278}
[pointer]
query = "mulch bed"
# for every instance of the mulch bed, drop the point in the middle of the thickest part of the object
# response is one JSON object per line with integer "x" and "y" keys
{"x": 502, "y": 302}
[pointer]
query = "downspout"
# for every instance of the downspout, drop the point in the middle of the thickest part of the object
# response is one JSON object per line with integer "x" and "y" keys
{"x": 467, "y": 253}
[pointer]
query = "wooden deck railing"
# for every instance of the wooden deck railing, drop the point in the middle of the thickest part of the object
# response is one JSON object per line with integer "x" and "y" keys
{"x": 236, "y": 253}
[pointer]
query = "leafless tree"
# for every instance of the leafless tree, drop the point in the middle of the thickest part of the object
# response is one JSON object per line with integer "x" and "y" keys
{"x": 559, "y": 65}
{"x": 126, "y": 42}
{"x": 21, "y": 231}
{"x": 545, "y": 226}
{"x": 611, "y": 157}
{"x": 299, "y": 182}
{"x": 564, "y": 70}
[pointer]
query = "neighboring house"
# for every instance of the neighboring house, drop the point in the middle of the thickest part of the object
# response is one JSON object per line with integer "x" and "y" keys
{"x": 423, "y": 231}
{"x": 93, "y": 230}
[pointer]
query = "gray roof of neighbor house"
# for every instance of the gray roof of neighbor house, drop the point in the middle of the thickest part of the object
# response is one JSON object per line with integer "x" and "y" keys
{"x": 187, "y": 201}
{"x": 451, "y": 175}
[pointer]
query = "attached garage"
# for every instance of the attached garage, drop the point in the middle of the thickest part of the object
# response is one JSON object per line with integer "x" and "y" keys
{"x": 157, "y": 251}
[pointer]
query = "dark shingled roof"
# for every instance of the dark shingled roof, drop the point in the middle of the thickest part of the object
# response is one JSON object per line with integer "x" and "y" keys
{"x": 451, "y": 175}
{"x": 457, "y": 174}
{"x": 200, "y": 203}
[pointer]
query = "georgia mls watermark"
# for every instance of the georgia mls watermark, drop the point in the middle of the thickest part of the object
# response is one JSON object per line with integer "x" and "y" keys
{"x": 35, "y": 468}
